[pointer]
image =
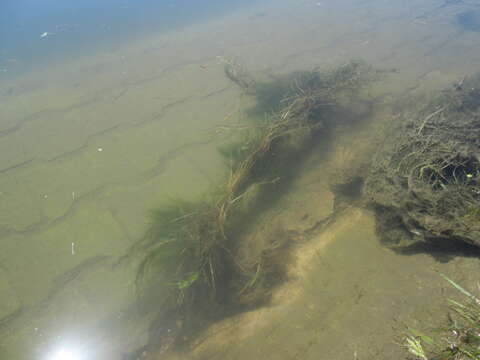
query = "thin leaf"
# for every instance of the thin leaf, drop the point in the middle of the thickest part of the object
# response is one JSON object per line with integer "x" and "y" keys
{"x": 459, "y": 288}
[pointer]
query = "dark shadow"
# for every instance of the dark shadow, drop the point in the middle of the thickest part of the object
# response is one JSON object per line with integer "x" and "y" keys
{"x": 394, "y": 234}
{"x": 441, "y": 249}
{"x": 347, "y": 192}
{"x": 270, "y": 93}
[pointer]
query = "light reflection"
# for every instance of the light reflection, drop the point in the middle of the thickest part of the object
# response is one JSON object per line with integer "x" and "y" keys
{"x": 65, "y": 354}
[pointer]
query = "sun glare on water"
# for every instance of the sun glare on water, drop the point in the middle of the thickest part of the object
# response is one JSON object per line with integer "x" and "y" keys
{"x": 65, "y": 354}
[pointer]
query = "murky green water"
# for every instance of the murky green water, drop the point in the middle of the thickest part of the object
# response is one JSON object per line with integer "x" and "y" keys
{"x": 90, "y": 145}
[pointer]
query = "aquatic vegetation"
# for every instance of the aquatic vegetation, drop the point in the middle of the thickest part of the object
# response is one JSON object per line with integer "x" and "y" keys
{"x": 236, "y": 72}
{"x": 237, "y": 151}
{"x": 306, "y": 92}
{"x": 458, "y": 340}
{"x": 427, "y": 177}
{"x": 193, "y": 257}
{"x": 182, "y": 254}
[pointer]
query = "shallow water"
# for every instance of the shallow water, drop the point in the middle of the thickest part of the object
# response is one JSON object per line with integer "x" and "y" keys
{"x": 95, "y": 136}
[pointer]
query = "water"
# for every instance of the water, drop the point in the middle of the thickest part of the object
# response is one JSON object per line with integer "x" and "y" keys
{"x": 116, "y": 111}
{"x": 34, "y": 33}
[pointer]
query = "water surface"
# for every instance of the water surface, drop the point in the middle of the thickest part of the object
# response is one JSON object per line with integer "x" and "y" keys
{"x": 116, "y": 110}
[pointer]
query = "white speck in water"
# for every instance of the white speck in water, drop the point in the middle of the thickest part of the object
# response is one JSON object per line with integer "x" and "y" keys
{"x": 45, "y": 34}
{"x": 73, "y": 248}
{"x": 100, "y": 149}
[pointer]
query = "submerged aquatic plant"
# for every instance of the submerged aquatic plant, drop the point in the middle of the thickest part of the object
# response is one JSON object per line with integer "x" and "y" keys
{"x": 459, "y": 340}
{"x": 415, "y": 347}
{"x": 183, "y": 251}
{"x": 427, "y": 176}
{"x": 237, "y": 151}
{"x": 190, "y": 258}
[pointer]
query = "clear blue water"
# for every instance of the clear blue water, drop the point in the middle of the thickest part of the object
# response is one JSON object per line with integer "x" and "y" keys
{"x": 72, "y": 27}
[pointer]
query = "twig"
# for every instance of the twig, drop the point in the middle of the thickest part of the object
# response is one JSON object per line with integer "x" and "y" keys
{"x": 429, "y": 117}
